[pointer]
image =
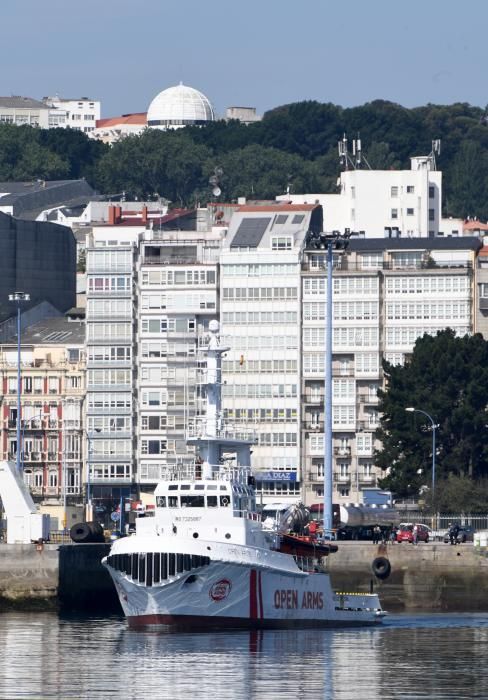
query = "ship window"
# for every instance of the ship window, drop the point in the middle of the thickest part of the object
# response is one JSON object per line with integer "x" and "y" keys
{"x": 199, "y": 487}
{"x": 192, "y": 501}
{"x": 185, "y": 487}
{"x": 173, "y": 501}
{"x": 213, "y": 487}
{"x": 161, "y": 501}
{"x": 173, "y": 487}
{"x": 211, "y": 501}
{"x": 223, "y": 488}
{"x": 224, "y": 501}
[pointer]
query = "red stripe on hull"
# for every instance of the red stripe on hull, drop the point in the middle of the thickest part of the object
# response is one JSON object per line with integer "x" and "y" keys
{"x": 196, "y": 622}
{"x": 260, "y": 592}
{"x": 253, "y": 599}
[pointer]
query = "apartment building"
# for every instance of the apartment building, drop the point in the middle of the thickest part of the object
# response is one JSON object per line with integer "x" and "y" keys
{"x": 150, "y": 295}
{"x": 177, "y": 298}
{"x": 386, "y": 294}
{"x": 110, "y": 338}
{"x": 260, "y": 311}
{"x": 52, "y": 398}
{"x": 392, "y": 203}
{"x": 80, "y": 114}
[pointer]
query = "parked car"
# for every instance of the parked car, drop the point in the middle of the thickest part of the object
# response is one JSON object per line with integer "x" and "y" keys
{"x": 465, "y": 534}
{"x": 405, "y": 532}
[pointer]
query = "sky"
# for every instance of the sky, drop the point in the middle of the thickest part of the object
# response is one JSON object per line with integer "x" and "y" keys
{"x": 256, "y": 53}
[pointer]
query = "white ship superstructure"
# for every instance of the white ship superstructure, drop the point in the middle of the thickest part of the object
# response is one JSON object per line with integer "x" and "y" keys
{"x": 205, "y": 558}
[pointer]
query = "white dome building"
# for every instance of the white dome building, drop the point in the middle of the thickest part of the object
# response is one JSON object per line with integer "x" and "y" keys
{"x": 179, "y": 106}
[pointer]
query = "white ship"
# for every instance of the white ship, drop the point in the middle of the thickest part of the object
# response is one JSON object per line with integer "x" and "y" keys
{"x": 205, "y": 559}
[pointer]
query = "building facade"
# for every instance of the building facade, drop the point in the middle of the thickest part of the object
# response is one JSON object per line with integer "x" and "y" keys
{"x": 390, "y": 203}
{"x": 80, "y": 114}
{"x": 52, "y": 407}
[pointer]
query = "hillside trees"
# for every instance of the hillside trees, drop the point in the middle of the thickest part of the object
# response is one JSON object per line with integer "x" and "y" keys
{"x": 447, "y": 377}
{"x": 294, "y": 143}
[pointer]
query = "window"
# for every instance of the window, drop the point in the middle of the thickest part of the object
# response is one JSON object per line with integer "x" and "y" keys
{"x": 431, "y": 192}
{"x": 298, "y": 218}
{"x": 410, "y": 189}
{"x": 394, "y": 191}
{"x": 394, "y": 213}
{"x": 193, "y": 501}
{"x": 28, "y": 385}
{"x": 53, "y": 384}
{"x": 344, "y": 492}
{"x": 410, "y": 211}
{"x": 281, "y": 243}
{"x": 281, "y": 219}
{"x": 73, "y": 354}
{"x": 431, "y": 214}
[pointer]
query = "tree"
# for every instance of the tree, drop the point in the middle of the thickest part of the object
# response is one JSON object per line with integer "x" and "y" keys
{"x": 447, "y": 377}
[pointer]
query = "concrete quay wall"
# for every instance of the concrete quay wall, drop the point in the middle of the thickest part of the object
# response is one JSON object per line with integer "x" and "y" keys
{"x": 423, "y": 577}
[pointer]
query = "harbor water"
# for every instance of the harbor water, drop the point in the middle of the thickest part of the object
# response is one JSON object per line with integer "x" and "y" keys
{"x": 433, "y": 656}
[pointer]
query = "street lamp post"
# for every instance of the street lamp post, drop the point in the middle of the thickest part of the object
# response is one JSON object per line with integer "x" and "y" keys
{"x": 18, "y": 298}
{"x": 411, "y": 409}
{"x": 333, "y": 241}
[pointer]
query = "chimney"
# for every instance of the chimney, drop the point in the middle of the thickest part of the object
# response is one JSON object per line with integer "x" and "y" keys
{"x": 144, "y": 215}
{"x": 111, "y": 215}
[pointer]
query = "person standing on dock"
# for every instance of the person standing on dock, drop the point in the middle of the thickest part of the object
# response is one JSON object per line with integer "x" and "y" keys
{"x": 415, "y": 533}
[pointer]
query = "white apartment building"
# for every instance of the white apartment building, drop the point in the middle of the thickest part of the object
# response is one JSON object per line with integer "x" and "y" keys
{"x": 177, "y": 298}
{"x": 260, "y": 310}
{"x": 80, "y": 114}
{"x": 150, "y": 296}
{"x": 386, "y": 294}
{"x": 379, "y": 203}
{"x": 110, "y": 336}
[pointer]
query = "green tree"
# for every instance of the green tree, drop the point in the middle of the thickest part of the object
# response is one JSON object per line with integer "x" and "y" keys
{"x": 447, "y": 377}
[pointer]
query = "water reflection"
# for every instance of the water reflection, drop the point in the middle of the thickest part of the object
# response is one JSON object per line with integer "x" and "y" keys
{"x": 410, "y": 657}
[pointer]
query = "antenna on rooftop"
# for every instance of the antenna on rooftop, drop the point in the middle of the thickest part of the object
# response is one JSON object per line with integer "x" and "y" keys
{"x": 436, "y": 150}
{"x": 357, "y": 154}
{"x": 214, "y": 181}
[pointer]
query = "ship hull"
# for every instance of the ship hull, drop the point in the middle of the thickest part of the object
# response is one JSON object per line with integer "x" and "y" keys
{"x": 241, "y": 594}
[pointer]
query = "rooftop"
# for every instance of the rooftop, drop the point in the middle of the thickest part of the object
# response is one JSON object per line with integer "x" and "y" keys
{"x": 18, "y": 102}
{"x": 52, "y": 331}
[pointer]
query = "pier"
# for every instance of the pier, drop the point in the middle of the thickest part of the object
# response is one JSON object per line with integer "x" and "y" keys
{"x": 423, "y": 577}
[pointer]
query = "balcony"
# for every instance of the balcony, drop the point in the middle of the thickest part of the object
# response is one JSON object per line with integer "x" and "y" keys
{"x": 52, "y": 456}
{"x": 367, "y": 479}
{"x": 313, "y": 426}
{"x": 368, "y": 398}
{"x": 52, "y": 424}
{"x": 342, "y": 478}
{"x": 313, "y": 398}
{"x": 342, "y": 451}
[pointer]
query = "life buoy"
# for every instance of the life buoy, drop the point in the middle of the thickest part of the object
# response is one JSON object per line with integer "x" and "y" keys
{"x": 225, "y": 501}
{"x": 381, "y": 567}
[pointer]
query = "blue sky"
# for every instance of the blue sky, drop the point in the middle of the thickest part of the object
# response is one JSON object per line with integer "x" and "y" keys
{"x": 260, "y": 53}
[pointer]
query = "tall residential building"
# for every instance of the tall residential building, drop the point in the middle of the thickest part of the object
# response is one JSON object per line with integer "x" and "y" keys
{"x": 110, "y": 338}
{"x": 386, "y": 294}
{"x": 260, "y": 310}
{"x": 150, "y": 295}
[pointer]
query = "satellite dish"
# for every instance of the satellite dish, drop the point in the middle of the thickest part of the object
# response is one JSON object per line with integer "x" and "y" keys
{"x": 216, "y": 191}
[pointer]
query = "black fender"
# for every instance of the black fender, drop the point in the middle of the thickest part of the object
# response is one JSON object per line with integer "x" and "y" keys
{"x": 381, "y": 567}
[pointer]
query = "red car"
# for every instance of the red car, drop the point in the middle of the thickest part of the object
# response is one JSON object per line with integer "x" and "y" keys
{"x": 405, "y": 533}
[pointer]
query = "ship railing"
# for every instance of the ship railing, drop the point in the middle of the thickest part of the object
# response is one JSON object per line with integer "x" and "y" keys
{"x": 308, "y": 564}
{"x": 248, "y": 515}
{"x": 193, "y": 472}
{"x": 198, "y": 431}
